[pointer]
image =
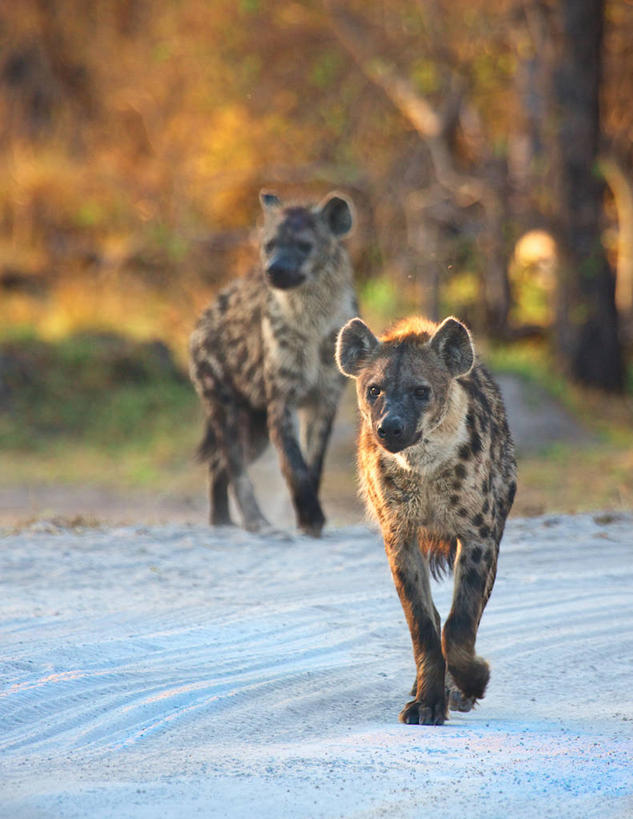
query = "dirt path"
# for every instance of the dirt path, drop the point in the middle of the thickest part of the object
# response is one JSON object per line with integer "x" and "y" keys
{"x": 535, "y": 419}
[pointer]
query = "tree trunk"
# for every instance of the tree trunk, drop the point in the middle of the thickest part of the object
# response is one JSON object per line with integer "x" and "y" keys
{"x": 496, "y": 284}
{"x": 587, "y": 322}
{"x": 621, "y": 185}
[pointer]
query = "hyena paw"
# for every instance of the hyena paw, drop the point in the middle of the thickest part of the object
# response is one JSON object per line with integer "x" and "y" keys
{"x": 458, "y": 701}
{"x": 471, "y": 677}
{"x": 312, "y": 523}
{"x": 313, "y": 529}
{"x": 225, "y": 524}
{"x": 267, "y": 530}
{"x": 258, "y": 525}
{"x": 310, "y": 517}
{"x": 423, "y": 713}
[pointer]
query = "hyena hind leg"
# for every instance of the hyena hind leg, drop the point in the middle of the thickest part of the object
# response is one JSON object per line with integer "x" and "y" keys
{"x": 234, "y": 438}
{"x": 209, "y": 451}
{"x": 223, "y": 447}
{"x": 219, "y": 514}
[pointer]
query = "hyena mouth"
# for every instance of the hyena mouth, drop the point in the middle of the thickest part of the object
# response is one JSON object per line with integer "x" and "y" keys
{"x": 284, "y": 279}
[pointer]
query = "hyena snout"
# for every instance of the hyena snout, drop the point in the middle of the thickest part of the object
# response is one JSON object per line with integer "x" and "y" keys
{"x": 283, "y": 270}
{"x": 390, "y": 429}
{"x": 394, "y": 433}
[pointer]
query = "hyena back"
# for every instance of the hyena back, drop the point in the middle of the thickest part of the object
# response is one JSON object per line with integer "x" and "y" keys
{"x": 263, "y": 353}
{"x": 437, "y": 466}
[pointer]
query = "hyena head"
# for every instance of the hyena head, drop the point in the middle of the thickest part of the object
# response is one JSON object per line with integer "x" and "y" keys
{"x": 297, "y": 240}
{"x": 404, "y": 379}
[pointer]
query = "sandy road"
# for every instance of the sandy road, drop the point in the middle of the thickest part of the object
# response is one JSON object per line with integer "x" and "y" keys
{"x": 173, "y": 672}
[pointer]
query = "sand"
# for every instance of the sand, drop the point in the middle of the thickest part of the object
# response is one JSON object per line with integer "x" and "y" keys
{"x": 175, "y": 671}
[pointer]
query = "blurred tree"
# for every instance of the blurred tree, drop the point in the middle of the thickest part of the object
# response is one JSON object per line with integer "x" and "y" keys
{"x": 587, "y": 330}
{"x": 468, "y": 169}
{"x": 134, "y": 137}
{"x": 568, "y": 38}
{"x": 617, "y": 160}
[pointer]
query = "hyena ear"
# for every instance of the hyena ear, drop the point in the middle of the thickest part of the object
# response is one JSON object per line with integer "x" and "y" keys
{"x": 354, "y": 344}
{"x": 336, "y": 212}
{"x": 453, "y": 344}
{"x": 269, "y": 200}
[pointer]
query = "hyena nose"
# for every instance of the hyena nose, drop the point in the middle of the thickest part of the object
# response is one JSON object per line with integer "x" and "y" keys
{"x": 390, "y": 428}
{"x": 279, "y": 267}
{"x": 282, "y": 263}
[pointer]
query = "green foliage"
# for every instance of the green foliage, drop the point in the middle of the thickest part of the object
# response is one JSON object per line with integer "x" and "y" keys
{"x": 103, "y": 390}
{"x": 325, "y": 68}
{"x": 533, "y": 302}
{"x": 383, "y": 300}
{"x": 249, "y": 6}
{"x": 147, "y": 161}
{"x": 532, "y": 361}
{"x": 459, "y": 292}
{"x": 90, "y": 214}
{"x": 160, "y": 236}
{"x": 425, "y": 76}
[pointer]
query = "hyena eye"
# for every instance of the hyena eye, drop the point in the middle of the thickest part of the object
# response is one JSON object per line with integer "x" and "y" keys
{"x": 269, "y": 246}
{"x": 373, "y": 391}
{"x": 304, "y": 247}
{"x": 422, "y": 393}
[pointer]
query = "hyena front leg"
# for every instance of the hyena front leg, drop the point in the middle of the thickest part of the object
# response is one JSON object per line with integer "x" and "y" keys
{"x": 475, "y": 570}
{"x": 438, "y": 626}
{"x": 410, "y": 572}
{"x": 315, "y": 426}
{"x": 310, "y": 517}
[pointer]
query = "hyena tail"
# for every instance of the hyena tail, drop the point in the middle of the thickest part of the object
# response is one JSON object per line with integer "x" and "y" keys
{"x": 207, "y": 445}
{"x": 441, "y": 556}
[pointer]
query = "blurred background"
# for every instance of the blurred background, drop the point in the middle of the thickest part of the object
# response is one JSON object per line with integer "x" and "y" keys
{"x": 487, "y": 147}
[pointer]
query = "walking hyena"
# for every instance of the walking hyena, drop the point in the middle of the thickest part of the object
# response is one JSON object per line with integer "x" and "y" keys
{"x": 265, "y": 349}
{"x": 437, "y": 466}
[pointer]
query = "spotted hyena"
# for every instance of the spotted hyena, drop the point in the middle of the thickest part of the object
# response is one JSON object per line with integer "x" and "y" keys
{"x": 437, "y": 467}
{"x": 262, "y": 356}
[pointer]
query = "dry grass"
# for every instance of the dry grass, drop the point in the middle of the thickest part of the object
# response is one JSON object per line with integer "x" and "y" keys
{"x": 595, "y": 476}
{"x": 569, "y": 480}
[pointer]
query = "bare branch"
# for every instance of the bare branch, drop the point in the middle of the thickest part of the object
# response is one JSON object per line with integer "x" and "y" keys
{"x": 432, "y": 125}
{"x": 357, "y": 40}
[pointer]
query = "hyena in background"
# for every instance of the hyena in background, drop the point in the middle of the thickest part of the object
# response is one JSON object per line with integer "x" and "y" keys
{"x": 263, "y": 352}
{"x": 437, "y": 466}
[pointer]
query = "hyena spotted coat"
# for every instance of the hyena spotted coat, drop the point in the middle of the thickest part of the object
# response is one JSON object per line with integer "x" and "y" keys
{"x": 437, "y": 467}
{"x": 262, "y": 355}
